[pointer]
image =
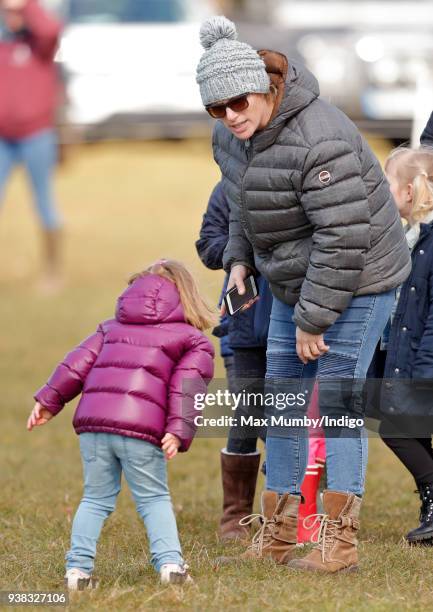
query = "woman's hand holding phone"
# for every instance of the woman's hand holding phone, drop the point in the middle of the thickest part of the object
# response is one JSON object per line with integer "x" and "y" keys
{"x": 237, "y": 277}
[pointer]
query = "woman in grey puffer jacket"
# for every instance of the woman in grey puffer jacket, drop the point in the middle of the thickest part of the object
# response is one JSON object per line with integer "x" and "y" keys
{"x": 312, "y": 211}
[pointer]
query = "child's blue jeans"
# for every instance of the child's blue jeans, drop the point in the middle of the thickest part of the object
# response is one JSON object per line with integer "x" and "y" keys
{"x": 104, "y": 458}
{"x": 38, "y": 154}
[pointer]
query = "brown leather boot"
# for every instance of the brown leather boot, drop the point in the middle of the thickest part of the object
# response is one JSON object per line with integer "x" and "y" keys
{"x": 239, "y": 477}
{"x": 52, "y": 280}
{"x": 336, "y": 529}
{"x": 276, "y": 538}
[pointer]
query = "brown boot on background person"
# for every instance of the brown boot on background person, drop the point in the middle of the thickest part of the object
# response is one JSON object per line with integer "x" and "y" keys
{"x": 52, "y": 280}
{"x": 336, "y": 529}
{"x": 276, "y": 538}
{"x": 239, "y": 477}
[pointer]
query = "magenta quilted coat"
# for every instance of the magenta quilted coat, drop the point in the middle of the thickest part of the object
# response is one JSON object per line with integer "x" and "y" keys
{"x": 138, "y": 373}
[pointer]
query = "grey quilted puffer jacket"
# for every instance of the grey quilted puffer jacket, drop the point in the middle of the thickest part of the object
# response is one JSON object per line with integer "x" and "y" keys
{"x": 310, "y": 206}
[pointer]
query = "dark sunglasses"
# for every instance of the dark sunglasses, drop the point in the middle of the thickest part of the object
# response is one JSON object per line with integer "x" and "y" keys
{"x": 238, "y": 104}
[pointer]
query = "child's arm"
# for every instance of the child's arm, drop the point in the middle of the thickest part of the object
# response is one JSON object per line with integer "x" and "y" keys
{"x": 214, "y": 231}
{"x": 67, "y": 380}
{"x": 190, "y": 376}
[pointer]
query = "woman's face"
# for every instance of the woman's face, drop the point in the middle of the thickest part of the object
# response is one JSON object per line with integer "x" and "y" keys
{"x": 402, "y": 194}
{"x": 255, "y": 117}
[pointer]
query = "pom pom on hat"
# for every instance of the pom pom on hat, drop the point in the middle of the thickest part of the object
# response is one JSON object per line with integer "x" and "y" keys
{"x": 230, "y": 68}
{"x": 215, "y": 29}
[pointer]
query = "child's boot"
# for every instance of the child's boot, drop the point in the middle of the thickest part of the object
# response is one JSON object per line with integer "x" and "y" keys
{"x": 172, "y": 573}
{"x": 309, "y": 490}
{"x": 239, "y": 477}
{"x": 77, "y": 580}
{"x": 52, "y": 281}
{"x": 337, "y": 544}
{"x": 424, "y": 533}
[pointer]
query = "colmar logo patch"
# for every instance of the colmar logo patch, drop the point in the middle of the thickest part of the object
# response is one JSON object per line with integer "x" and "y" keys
{"x": 325, "y": 177}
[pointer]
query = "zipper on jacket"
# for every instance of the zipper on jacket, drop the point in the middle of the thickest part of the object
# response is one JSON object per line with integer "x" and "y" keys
{"x": 249, "y": 154}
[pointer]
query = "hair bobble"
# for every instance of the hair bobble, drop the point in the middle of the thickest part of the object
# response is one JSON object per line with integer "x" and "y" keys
{"x": 158, "y": 264}
{"x": 429, "y": 177}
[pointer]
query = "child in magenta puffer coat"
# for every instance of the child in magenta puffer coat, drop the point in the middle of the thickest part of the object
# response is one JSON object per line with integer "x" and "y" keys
{"x": 137, "y": 375}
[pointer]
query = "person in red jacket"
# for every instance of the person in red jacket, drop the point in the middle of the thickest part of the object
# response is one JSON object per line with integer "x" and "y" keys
{"x": 138, "y": 375}
{"x": 29, "y": 91}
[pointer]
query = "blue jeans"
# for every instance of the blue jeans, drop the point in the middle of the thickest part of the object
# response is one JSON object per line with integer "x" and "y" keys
{"x": 352, "y": 340}
{"x": 38, "y": 154}
{"x": 104, "y": 457}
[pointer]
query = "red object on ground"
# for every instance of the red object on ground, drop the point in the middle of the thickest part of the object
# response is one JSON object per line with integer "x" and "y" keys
{"x": 316, "y": 462}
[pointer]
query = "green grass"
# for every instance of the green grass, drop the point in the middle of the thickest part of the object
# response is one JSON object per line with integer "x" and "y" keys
{"x": 125, "y": 205}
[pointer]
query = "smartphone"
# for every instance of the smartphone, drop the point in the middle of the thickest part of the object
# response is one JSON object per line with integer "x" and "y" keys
{"x": 234, "y": 301}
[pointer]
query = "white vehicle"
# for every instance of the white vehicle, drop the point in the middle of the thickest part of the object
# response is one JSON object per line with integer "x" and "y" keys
{"x": 372, "y": 57}
{"x": 129, "y": 66}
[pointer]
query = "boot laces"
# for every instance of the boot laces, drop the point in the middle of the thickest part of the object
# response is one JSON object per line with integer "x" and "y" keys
{"x": 325, "y": 531}
{"x": 263, "y": 535}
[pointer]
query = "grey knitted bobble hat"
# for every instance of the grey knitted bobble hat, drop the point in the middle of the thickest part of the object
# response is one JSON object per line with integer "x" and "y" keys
{"x": 228, "y": 68}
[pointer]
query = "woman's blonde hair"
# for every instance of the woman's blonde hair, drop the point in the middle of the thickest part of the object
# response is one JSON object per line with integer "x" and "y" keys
{"x": 415, "y": 166}
{"x": 197, "y": 312}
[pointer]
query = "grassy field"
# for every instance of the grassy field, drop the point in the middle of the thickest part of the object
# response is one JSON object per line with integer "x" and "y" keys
{"x": 125, "y": 205}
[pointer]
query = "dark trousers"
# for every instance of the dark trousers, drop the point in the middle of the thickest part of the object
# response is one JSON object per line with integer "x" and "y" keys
{"x": 416, "y": 454}
{"x": 401, "y": 433}
{"x": 248, "y": 375}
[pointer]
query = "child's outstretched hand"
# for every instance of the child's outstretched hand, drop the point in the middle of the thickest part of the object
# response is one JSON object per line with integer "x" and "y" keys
{"x": 38, "y": 416}
{"x": 170, "y": 445}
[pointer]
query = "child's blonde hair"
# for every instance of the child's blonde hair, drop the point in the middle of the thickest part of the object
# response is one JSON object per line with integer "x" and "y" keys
{"x": 197, "y": 312}
{"x": 415, "y": 166}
